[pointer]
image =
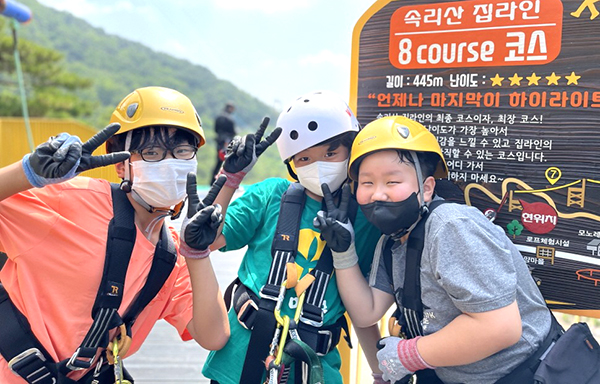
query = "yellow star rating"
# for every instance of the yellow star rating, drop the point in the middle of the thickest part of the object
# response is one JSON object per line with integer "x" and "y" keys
{"x": 497, "y": 80}
{"x": 533, "y": 79}
{"x": 572, "y": 79}
{"x": 515, "y": 80}
{"x": 553, "y": 79}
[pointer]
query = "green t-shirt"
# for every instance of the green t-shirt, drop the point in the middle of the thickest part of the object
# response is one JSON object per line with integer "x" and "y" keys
{"x": 251, "y": 220}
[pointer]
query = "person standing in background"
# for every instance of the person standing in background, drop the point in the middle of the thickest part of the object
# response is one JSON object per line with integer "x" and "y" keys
{"x": 225, "y": 130}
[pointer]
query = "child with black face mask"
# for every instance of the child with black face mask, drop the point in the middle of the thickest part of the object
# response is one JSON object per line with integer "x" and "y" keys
{"x": 470, "y": 311}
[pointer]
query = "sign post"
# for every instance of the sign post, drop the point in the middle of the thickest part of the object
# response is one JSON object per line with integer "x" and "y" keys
{"x": 511, "y": 89}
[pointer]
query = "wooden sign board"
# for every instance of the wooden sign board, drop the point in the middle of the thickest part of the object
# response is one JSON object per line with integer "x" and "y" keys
{"x": 511, "y": 89}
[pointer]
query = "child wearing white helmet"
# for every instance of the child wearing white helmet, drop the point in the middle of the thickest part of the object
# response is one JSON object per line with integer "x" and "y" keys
{"x": 468, "y": 309}
{"x": 285, "y": 281}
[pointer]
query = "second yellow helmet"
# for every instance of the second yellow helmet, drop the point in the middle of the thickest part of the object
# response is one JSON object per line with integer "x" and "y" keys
{"x": 395, "y": 132}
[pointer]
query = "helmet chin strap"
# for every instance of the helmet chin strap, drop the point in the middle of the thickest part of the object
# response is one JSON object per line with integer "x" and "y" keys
{"x": 126, "y": 182}
{"x": 126, "y": 187}
{"x": 415, "y": 158}
{"x": 151, "y": 209}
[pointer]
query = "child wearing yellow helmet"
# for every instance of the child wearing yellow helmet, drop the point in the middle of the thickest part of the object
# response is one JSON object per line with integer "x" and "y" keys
{"x": 468, "y": 308}
{"x": 92, "y": 267}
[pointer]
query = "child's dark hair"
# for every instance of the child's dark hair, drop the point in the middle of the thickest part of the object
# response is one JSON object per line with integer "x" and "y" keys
{"x": 345, "y": 139}
{"x": 427, "y": 160}
{"x": 151, "y": 136}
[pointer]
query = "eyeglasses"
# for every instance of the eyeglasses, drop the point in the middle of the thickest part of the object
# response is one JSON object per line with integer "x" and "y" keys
{"x": 181, "y": 152}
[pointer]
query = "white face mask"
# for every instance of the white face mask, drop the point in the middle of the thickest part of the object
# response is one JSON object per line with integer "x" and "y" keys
{"x": 322, "y": 172}
{"x": 161, "y": 184}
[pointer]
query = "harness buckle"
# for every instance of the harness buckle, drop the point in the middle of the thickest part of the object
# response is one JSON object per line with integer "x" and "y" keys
{"x": 246, "y": 312}
{"x": 77, "y": 364}
{"x": 269, "y": 292}
{"x": 329, "y": 336}
{"x": 312, "y": 323}
{"x": 26, "y": 358}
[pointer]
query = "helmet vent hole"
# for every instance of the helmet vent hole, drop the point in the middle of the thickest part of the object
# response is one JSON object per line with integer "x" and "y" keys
{"x": 306, "y": 100}
{"x": 313, "y": 126}
{"x": 294, "y": 135}
{"x": 131, "y": 109}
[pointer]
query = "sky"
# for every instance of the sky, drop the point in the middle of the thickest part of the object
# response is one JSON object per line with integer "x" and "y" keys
{"x": 275, "y": 50}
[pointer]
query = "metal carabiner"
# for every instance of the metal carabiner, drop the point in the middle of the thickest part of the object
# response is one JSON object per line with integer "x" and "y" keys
{"x": 118, "y": 365}
{"x": 122, "y": 340}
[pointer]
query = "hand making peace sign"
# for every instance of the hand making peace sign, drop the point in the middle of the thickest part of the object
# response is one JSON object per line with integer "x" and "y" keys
{"x": 63, "y": 157}
{"x": 336, "y": 228}
{"x": 202, "y": 221}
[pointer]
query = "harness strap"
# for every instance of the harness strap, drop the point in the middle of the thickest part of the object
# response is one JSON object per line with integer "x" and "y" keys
{"x": 25, "y": 354}
{"x": 252, "y": 311}
{"x": 283, "y": 250}
{"x": 165, "y": 257}
{"x": 312, "y": 312}
{"x": 258, "y": 347}
{"x": 322, "y": 339}
{"x": 410, "y": 313}
{"x": 119, "y": 246}
{"x": 298, "y": 351}
{"x": 530, "y": 365}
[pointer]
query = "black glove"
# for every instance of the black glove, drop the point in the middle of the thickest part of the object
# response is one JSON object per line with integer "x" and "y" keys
{"x": 64, "y": 156}
{"x": 243, "y": 152}
{"x": 336, "y": 228}
{"x": 202, "y": 221}
{"x": 90, "y": 162}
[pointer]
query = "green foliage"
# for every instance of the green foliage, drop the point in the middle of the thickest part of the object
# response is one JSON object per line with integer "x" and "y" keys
{"x": 117, "y": 67}
{"x": 51, "y": 92}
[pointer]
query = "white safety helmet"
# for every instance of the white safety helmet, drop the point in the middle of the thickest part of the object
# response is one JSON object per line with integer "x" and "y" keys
{"x": 312, "y": 119}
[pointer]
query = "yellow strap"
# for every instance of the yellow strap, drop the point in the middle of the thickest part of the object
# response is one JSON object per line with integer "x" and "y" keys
{"x": 299, "y": 307}
{"x": 283, "y": 338}
{"x": 394, "y": 328}
{"x": 292, "y": 275}
{"x": 304, "y": 283}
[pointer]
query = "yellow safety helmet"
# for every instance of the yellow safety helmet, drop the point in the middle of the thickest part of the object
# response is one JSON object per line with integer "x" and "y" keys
{"x": 158, "y": 106}
{"x": 395, "y": 132}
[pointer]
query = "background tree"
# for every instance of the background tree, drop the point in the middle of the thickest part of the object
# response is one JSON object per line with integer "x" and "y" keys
{"x": 51, "y": 91}
{"x": 60, "y": 53}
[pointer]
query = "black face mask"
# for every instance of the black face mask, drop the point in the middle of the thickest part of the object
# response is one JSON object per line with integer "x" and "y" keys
{"x": 393, "y": 218}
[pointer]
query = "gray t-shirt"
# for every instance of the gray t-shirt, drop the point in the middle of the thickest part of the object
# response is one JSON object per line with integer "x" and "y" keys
{"x": 468, "y": 264}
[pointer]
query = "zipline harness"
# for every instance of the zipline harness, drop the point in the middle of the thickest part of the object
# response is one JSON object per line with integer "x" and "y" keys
{"x": 308, "y": 337}
{"x": 27, "y": 357}
{"x": 406, "y": 320}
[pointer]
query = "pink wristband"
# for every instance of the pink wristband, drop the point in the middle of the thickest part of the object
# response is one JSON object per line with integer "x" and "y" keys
{"x": 192, "y": 253}
{"x": 233, "y": 179}
{"x": 410, "y": 357}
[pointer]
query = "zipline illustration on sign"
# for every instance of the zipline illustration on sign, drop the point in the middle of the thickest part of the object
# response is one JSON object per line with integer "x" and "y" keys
{"x": 511, "y": 91}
